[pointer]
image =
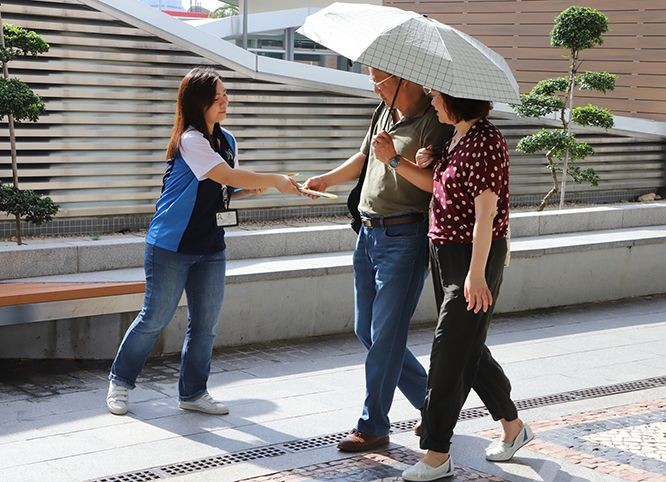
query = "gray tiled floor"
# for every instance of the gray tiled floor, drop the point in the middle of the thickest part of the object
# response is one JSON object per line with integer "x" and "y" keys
{"x": 53, "y": 424}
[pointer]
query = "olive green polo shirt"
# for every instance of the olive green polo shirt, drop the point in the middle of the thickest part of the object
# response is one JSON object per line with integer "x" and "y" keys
{"x": 384, "y": 191}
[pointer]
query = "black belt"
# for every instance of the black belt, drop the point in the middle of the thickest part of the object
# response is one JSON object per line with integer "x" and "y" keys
{"x": 392, "y": 221}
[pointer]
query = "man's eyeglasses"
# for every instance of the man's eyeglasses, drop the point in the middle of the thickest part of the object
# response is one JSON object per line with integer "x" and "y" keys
{"x": 377, "y": 84}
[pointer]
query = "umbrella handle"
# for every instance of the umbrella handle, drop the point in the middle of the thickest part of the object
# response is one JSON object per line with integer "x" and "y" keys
{"x": 395, "y": 96}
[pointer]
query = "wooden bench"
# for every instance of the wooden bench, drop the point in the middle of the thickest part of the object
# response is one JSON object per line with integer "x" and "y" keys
{"x": 30, "y": 301}
{"x": 22, "y": 293}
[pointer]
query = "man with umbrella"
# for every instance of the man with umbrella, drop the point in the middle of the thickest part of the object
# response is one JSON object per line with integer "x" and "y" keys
{"x": 390, "y": 258}
{"x": 401, "y": 47}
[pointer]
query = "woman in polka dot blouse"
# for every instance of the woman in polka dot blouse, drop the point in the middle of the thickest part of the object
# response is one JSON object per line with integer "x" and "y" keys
{"x": 468, "y": 247}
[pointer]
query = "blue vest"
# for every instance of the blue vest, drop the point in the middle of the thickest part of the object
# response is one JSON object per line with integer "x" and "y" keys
{"x": 185, "y": 220}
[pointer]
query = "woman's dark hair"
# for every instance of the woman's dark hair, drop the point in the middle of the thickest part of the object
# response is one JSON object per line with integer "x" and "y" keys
{"x": 196, "y": 94}
{"x": 460, "y": 109}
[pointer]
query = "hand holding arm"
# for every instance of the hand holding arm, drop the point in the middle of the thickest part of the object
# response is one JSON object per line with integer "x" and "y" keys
{"x": 425, "y": 156}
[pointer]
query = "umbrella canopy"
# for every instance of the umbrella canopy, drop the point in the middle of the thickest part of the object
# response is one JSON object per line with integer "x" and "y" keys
{"x": 415, "y": 48}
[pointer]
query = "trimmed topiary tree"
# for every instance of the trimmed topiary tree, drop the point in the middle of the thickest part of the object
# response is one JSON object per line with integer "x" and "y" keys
{"x": 18, "y": 102}
{"x": 576, "y": 29}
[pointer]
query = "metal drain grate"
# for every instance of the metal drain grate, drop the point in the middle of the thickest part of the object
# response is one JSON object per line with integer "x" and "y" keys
{"x": 657, "y": 381}
{"x": 313, "y": 443}
{"x": 471, "y": 413}
{"x": 222, "y": 460}
{"x": 141, "y": 476}
{"x": 403, "y": 425}
{"x": 300, "y": 445}
{"x": 545, "y": 400}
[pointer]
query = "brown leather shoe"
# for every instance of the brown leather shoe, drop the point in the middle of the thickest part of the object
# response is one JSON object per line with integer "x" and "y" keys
{"x": 356, "y": 441}
{"x": 417, "y": 429}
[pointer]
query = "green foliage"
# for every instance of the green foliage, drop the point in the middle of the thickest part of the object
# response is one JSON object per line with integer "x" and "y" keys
{"x": 578, "y": 28}
{"x": 20, "y": 42}
{"x": 27, "y": 204}
{"x": 599, "y": 81}
{"x": 535, "y": 105}
{"x": 583, "y": 175}
{"x": 544, "y": 140}
{"x": 591, "y": 115}
{"x": 575, "y": 28}
{"x": 550, "y": 86}
{"x": 18, "y": 99}
{"x": 20, "y": 102}
{"x": 225, "y": 10}
{"x": 556, "y": 143}
{"x": 579, "y": 150}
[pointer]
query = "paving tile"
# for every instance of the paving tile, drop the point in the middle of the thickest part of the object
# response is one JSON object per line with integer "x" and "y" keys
{"x": 386, "y": 465}
{"x": 628, "y": 442}
{"x": 285, "y": 391}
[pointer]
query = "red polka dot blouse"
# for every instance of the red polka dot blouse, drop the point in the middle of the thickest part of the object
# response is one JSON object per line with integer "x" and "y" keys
{"x": 478, "y": 162}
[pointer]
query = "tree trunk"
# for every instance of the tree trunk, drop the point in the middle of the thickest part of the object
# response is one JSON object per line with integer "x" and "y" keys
{"x": 545, "y": 199}
{"x": 567, "y": 123}
{"x": 12, "y": 137}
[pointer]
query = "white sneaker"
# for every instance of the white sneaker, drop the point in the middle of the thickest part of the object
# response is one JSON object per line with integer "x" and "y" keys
{"x": 422, "y": 472}
{"x": 502, "y": 451}
{"x": 116, "y": 399}
{"x": 205, "y": 404}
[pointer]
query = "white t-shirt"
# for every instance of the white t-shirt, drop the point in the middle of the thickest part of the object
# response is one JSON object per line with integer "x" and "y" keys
{"x": 198, "y": 155}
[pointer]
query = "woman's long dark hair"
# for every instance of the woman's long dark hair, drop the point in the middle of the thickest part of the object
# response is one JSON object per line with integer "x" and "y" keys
{"x": 196, "y": 94}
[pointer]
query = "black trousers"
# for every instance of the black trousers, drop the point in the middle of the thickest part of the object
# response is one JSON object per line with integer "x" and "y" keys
{"x": 460, "y": 359}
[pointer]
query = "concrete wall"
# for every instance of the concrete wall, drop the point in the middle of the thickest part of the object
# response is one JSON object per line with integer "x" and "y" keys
{"x": 298, "y": 282}
{"x": 320, "y": 301}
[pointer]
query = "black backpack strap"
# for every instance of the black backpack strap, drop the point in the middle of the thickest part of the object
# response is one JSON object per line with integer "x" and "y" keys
{"x": 375, "y": 119}
{"x": 355, "y": 195}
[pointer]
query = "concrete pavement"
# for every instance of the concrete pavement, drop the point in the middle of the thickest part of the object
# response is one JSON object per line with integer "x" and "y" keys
{"x": 290, "y": 401}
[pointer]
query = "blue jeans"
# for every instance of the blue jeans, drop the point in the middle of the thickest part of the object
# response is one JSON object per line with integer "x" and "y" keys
{"x": 167, "y": 275}
{"x": 389, "y": 272}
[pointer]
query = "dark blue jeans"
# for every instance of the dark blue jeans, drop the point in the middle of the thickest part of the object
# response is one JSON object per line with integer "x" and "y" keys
{"x": 389, "y": 272}
{"x": 168, "y": 274}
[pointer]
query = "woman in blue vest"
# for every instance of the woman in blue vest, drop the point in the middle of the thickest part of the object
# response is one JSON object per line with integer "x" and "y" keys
{"x": 185, "y": 248}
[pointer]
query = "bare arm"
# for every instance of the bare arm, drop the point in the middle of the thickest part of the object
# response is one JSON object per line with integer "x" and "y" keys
{"x": 222, "y": 173}
{"x": 245, "y": 193}
{"x": 206, "y": 163}
{"x": 476, "y": 290}
{"x": 420, "y": 177}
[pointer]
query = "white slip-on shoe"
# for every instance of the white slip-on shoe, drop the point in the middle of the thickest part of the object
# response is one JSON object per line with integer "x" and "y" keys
{"x": 205, "y": 404}
{"x": 116, "y": 399}
{"x": 502, "y": 451}
{"x": 422, "y": 472}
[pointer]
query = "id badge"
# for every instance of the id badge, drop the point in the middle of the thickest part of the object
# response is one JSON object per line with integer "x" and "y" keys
{"x": 227, "y": 218}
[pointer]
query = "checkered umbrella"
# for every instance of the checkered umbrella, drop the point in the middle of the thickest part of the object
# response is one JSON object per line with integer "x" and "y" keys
{"x": 415, "y": 48}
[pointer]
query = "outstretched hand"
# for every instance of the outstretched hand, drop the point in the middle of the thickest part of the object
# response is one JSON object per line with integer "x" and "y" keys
{"x": 315, "y": 183}
{"x": 286, "y": 185}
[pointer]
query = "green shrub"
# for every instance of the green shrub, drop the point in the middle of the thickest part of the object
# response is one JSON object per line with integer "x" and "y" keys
{"x": 18, "y": 102}
{"x": 576, "y": 29}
